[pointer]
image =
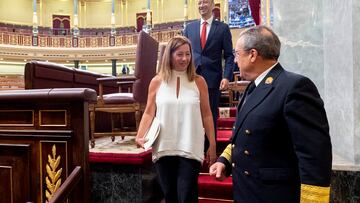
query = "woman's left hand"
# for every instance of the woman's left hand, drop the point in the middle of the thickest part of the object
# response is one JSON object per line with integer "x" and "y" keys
{"x": 140, "y": 141}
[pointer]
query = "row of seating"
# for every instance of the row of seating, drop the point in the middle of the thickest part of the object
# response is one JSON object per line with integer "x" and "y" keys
{"x": 129, "y": 102}
{"x": 11, "y": 82}
{"x": 39, "y": 75}
{"x": 169, "y": 25}
{"x": 48, "y": 75}
{"x": 48, "y": 31}
{"x": 23, "y": 29}
{"x": 106, "y": 31}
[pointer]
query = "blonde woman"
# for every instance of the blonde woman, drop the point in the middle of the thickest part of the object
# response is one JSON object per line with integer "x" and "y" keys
{"x": 179, "y": 99}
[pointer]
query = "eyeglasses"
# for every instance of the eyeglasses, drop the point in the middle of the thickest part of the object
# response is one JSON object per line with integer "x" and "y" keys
{"x": 236, "y": 54}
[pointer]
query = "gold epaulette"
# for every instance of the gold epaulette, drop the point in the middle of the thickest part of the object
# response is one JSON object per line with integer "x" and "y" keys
{"x": 314, "y": 194}
{"x": 227, "y": 153}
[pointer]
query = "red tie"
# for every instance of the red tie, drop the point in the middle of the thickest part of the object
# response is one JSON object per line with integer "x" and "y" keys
{"x": 203, "y": 35}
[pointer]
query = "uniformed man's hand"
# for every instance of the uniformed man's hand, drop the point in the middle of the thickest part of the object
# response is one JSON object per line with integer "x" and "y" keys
{"x": 217, "y": 170}
{"x": 224, "y": 84}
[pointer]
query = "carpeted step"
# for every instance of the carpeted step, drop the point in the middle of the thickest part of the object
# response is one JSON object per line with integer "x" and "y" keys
{"x": 212, "y": 200}
{"x": 225, "y": 112}
{"x": 225, "y": 123}
{"x": 211, "y": 190}
{"x": 227, "y": 116}
{"x": 223, "y": 136}
{"x": 222, "y": 140}
{"x": 214, "y": 189}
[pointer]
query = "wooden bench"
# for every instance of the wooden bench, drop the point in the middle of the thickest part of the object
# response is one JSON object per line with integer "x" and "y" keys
{"x": 44, "y": 137}
{"x": 39, "y": 75}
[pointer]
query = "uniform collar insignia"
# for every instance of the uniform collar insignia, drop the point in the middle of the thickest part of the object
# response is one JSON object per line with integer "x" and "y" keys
{"x": 269, "y": 80}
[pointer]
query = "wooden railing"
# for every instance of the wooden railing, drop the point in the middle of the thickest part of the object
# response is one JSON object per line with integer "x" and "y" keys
{"x": 67, "y": 187}
{"x": 8, "y": 38}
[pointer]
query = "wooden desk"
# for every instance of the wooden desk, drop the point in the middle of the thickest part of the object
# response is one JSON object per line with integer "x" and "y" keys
{"x": 44, "y": 135}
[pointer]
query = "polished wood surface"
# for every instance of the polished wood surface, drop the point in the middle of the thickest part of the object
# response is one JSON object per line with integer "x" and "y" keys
{"x": 43, "y": 138}
{"x": 68, "y": 186}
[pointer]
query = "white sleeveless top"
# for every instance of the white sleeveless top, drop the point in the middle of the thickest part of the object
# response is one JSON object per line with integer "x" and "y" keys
{"x": 181, "y": 131}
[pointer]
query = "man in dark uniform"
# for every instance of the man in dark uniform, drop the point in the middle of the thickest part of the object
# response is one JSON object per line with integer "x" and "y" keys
{"x": 280, "y": 149}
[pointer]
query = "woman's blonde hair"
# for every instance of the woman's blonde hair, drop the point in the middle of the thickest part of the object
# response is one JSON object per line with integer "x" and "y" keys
{"x": 166, "y": 65}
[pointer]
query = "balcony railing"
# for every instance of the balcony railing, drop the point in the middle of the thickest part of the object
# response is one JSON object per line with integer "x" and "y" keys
{"x": 20, "y": 39}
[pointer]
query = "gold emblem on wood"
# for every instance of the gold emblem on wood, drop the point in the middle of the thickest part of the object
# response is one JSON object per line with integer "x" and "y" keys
{"x": 53, "y": 180}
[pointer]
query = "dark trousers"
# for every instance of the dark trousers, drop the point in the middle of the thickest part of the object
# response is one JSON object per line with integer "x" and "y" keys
{"x": 178, "y": 178}
{"x": 214, "y": 99}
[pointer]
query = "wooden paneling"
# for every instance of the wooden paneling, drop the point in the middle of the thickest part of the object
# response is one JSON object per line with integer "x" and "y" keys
{"x": 14, "y": 172}
{"x": 7, "y": 180}
{"x": 16, "y": 118}
{"x": 52, "y": 118}
{"x": 35, "y": 160}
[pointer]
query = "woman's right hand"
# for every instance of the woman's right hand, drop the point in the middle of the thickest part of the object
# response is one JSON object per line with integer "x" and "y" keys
{"x": 140, "y": 141}
{"x": 211, "y": 154}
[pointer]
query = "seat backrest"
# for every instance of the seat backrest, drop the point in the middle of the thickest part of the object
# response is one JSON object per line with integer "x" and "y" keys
{"x": 145, "y": 65}
{"x": 43, "y": 75}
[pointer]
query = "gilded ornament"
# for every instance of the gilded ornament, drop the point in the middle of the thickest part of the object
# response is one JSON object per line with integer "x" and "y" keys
{"x": 52, "y": 180}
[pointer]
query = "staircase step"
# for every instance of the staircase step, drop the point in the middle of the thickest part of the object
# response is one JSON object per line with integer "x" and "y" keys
{"x": 225, "y": 112}
{"x": 204, "y": 168}
{"x": 225, "y": 123}
{"x": 214, "y": 189}
{"x": 223, "y": 136}
{"x": 212, "y": 200}
{"x": 211, "y": 190}
{"x": 223, "y": 139}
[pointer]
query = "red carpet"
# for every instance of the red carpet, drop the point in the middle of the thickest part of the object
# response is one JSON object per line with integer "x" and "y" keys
{"x": 223, "y": 135}
{"x": 211, "y": 190}
{"x": 118, "y": 152}
{"x": 123, "y": 158}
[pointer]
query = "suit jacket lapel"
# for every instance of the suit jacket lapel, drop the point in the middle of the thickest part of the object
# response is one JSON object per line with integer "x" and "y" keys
{"x": 257, "y": 96}
{"x": 212, "y": 32}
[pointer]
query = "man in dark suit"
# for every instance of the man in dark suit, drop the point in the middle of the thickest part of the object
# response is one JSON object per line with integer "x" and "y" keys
{"x": 280, "y": 149}
{"x": 211, "y": 41}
